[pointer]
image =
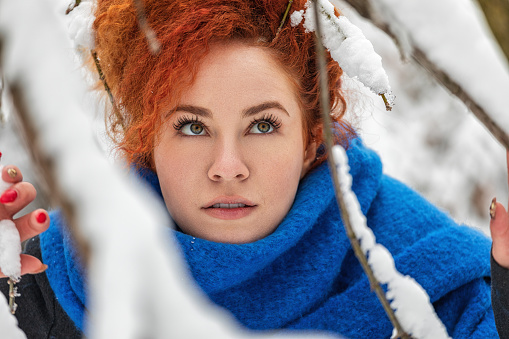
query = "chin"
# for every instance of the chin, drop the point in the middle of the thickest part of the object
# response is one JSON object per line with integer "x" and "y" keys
{"x": 229, "y": 236}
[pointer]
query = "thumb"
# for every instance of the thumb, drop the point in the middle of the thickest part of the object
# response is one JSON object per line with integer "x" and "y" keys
{"x": 499, "y": 228}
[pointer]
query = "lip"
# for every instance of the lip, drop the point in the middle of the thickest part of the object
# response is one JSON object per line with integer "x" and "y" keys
{"x": 229, "y": 200}
{"x": 241, "y": 208}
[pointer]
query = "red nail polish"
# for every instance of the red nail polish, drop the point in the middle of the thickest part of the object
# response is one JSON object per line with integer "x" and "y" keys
{"x": 41, "y": 218}
{"x": 8, "y": 196}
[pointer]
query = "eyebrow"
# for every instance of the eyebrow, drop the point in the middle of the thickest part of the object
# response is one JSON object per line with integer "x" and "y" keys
{"x": 262, "y": 107}
{"x": 206, "y": 113}
{"x": 203, "y": 112}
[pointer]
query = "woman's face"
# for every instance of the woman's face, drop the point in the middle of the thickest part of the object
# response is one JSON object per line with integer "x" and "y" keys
{"x": 231, "y": 155}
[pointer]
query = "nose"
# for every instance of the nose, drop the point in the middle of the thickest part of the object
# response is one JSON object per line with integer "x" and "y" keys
{"x": 228, "y": 163}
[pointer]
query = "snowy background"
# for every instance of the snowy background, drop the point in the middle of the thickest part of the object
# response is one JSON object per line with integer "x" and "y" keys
{"x": 429, "y": 140}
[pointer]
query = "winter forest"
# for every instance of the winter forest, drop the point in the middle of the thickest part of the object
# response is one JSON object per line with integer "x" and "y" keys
{"x": 448, "y": 71}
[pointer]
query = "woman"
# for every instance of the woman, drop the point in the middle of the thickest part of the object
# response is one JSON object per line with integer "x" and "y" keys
{"x": 224, "y": 123}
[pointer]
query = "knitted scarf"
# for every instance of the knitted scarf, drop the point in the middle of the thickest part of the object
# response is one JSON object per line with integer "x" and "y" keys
{"x": 305, "y": 275}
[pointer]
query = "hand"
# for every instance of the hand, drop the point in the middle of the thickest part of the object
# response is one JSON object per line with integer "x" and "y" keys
{"x": 14, "y": 199}
{"x": 499, "y": 227}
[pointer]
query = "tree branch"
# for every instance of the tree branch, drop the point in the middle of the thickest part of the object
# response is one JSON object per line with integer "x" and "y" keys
{"x": 324, "y": 105}
{"x": 48, "y": 171}
{"x": 107, "y": 88}
{"x": 365, "y": 9}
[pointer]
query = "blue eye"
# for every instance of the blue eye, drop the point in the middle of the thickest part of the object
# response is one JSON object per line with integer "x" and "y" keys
{"x": 262, "y": 127}
{"x": 192, "y": 129}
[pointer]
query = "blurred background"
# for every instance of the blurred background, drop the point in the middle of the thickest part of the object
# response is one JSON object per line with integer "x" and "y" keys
{"x": 429, "y": 140}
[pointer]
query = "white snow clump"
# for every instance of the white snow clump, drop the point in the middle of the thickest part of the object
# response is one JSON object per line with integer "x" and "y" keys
{"x": 10, "y": 243}
{"x": 409, "y": 300}
{"x": 80, "y": 21}
{"x": 10, "y": 250}
{"x": 8, "y": 323}
{"x": 347, "y": 46}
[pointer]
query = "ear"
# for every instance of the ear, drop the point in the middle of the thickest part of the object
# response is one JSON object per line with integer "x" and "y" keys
{"x": 309, "y": 157}
{"x": 310, "y": 153}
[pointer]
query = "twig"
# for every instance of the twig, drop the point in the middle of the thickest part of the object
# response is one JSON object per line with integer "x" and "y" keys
{"x": 284, "y": 18}
{"x": 388, "y": 106}
{"x": 365, "y": 9}
{"x": 48, "y": 172}
{"x": 324, "y": 105}
{"x": 458, "y": 91}
{"x": 107, "y": 88}
{"x": 72, "y": 6}
{"x": 13, "y": 293}
{"x": 149, "y": 33}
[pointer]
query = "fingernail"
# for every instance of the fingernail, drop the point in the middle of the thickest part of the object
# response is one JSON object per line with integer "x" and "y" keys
{"x": 41, "y": 218}
{"x": 12, "y": 172}
{"x": 8, "y": 196}
{"x": 41, "y": 269}
{"x": 493, "y": 208}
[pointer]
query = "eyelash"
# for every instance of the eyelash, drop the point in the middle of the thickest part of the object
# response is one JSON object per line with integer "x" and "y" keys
{"x": 184, "y": 120}
{"x": 270, "y": 118}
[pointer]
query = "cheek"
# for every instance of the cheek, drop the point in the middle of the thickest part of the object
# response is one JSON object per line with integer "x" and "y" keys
{"x": 280, "y": 167}
{"x": 175, "y": 168}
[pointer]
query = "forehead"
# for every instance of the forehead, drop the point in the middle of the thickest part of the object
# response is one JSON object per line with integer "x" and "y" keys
{"x": 242, "y": 72}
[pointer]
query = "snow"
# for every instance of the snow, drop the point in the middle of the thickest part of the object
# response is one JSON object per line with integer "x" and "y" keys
{"x": 8, "y": 323}
{"x": 472, "y": 60}
{"x": 10, "y": 250}
{"x": 408, "y": 299}
{"x": 347, "y": 46}
{"x": 126, "y": 226}
{"x": 10, "y": 243}
{"x": 80, "y": 21}
{"x": 430, "y": 140}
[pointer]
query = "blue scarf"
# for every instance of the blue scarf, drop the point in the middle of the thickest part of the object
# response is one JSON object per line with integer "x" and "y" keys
{"x": 305, "y": 275}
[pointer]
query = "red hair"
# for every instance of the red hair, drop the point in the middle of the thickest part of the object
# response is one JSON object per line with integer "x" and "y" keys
{"x": 143, "y": 83}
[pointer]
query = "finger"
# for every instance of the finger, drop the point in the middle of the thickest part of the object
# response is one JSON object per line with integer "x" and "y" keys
{"x": 11, "y": 174}
{"x": 499, "y": 228}
{"x": 17, "y": 197}
{"x": 32, "y": 224}
{"x": 29, "y": 265}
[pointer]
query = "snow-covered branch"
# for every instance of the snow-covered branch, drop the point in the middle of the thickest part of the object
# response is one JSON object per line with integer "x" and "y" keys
{"x": 409, "y": 300}
{"x": 410, "y": 310}
{"x": 347, "y": 46}
{"x": 468, "y": 55}
{"x": 329, "y": 142}
{"x": 126, "y": 227}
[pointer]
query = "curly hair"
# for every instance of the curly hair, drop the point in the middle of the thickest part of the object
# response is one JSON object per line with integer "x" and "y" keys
{"x": 142, "y": 83}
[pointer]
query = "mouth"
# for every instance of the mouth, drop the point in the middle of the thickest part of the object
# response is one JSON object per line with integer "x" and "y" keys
{"x": 229, "y": 208}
